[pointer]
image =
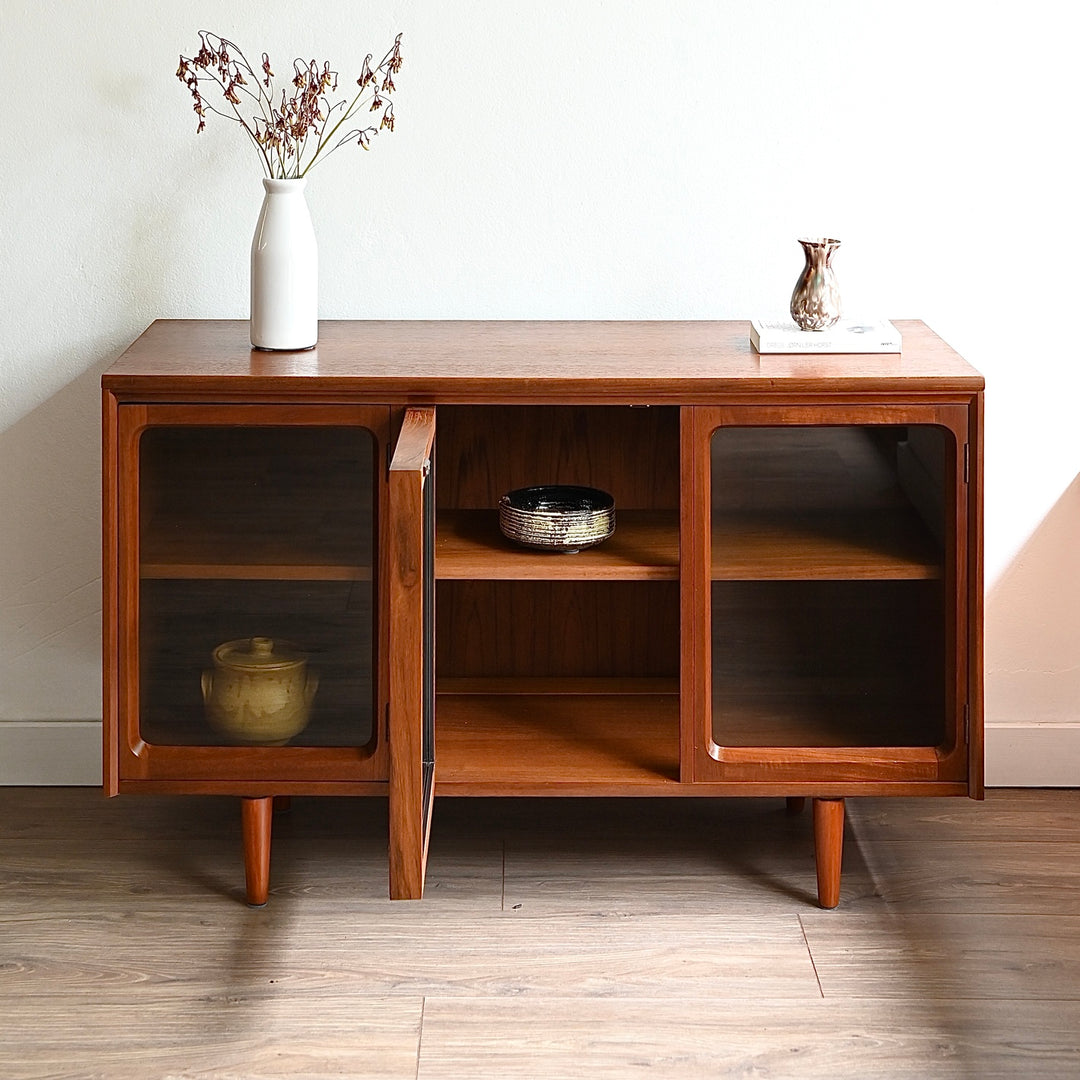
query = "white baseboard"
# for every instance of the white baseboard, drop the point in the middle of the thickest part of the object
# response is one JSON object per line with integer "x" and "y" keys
{"x": 67, "y": 753}
{"x": 50, "y": 753}
{"x": 1033, "y": 755}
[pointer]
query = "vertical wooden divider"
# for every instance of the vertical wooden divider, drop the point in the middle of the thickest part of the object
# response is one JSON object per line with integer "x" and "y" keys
{"x": 693, "y": 580}
{"x": 409, "y": 797}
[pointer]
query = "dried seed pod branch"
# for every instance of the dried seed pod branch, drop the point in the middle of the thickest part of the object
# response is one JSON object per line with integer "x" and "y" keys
{"x": 290, "y": 131}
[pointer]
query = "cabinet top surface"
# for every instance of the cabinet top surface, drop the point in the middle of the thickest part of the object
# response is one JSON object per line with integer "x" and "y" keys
{"x": 442, "y": 361}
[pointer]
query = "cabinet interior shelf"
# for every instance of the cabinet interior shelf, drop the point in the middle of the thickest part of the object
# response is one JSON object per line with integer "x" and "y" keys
{"x": 557, "y": 731}
{"x": 196, "y": 570}
{"x": 746, "y": 546}
{"x": 644, "y": 546}
{"x": 776, "y": 546}
{"x": 198, "y": 550}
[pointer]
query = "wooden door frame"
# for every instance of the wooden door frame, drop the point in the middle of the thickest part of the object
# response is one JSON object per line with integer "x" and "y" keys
{"x": 812, "y": 769}
{"x": 245, "y": 770}
{"x": 412, "y": 786}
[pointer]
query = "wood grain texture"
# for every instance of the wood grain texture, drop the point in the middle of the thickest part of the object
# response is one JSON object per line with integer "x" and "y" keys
{"x": 644, "y": 547}
{"x": 491, "y": 1039}
{"x": 533, "y": 741}
{"x": 631, "y": 453}
{"x": 828, "y": 849}
{"x": 1017, "y": 816}
{"x": 945, "y": 876}
{"x": 227, "y": 1034}
{"x": 631, "y": 857}
{"x": 257, "y": 824}
{"x": 160, "y": 652}
{"x": 259, "y": 501}
{"x": 110, "y": 594}
{"x": 975, "y": 597}
{"x": 519, "y": 404}
{"x": 530, "y": 362}
{"x": 822, "y": 546}
{"x": 642, "y": 946}
{"x": 886, "y": 954}
{"x": 828, "y": 663}
{"x": 409, "y": 808}
{"x": 816, "y": 502}
{"x": 558, "y": 629}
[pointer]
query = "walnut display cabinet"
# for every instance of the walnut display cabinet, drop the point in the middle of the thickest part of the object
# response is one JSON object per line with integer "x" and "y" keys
{"x": 790, "y": 605}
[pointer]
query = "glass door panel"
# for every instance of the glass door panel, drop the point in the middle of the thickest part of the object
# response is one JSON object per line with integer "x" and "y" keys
{"x": 256, "y": 595}
{"x": 830, "y": 560}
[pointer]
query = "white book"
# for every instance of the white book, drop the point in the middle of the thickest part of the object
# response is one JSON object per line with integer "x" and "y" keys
{"x": 847, "y": 336}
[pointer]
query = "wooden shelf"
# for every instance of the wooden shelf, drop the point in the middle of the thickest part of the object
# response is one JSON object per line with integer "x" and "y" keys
{"x": 644, "y": 547}
{"x": 187, "y": 562}
{"x": 182, "y": 622}
{"x": 839, "y": 717}
{"x": 776, "y": 546}
{"x": 218, "y": 542}
{"x": 534, "y": 734}
{"x": 256, "y": 503}
{"x": 171, "y": 727}
{"x": 809, "y": 503}
{"x": 828, "y": 663}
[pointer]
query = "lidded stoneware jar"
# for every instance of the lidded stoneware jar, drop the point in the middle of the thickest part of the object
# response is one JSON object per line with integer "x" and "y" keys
{"x": 259, "y": 691}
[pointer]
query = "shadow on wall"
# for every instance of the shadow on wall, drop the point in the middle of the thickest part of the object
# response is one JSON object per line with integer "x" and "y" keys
{"x": 50, "y": 556}
{"x": 1033, "y": 624}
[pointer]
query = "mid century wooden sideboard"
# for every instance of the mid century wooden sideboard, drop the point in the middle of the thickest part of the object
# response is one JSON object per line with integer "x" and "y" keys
{"x": 790, "y": 606}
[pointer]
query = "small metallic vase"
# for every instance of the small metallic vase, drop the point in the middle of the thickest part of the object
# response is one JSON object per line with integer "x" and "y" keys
{"x": 815, "y": 303}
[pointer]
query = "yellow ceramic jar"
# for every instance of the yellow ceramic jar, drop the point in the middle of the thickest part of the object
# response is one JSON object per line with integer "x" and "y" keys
{"x": 259, "y": 691}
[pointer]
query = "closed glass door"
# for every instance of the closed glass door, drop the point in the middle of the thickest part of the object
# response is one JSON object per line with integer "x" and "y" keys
{"x": 255, "y": 581}
{"x": 830, "y": 639}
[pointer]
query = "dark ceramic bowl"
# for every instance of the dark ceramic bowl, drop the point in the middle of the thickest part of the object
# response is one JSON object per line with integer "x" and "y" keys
{"x": 557, "y": 517}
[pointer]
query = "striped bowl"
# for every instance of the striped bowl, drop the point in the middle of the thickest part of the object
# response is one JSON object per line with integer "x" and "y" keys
{"x": 557, "y": 517}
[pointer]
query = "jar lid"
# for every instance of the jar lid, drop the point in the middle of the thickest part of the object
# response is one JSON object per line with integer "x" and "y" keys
{"x": 258, "y": 653}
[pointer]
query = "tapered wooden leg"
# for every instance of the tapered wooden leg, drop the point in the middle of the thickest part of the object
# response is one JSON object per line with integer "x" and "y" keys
{"x": 828, "y": 849}
{"x": 795, "y": 804}
{"x": 257, "y": 815}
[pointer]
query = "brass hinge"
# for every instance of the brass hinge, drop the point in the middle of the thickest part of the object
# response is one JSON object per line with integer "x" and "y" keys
{"x": 967, "y": 723}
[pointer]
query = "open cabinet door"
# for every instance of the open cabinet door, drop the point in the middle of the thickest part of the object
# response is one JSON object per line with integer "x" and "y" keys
{"x": 410, "y": 539}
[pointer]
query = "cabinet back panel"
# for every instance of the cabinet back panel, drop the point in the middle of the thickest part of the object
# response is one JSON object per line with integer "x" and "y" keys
{"x": 184, "y": 621}
{"x": 257, "y": 494}
{"x": 828, "y": 663}
{"x": 487, "y": 629}
{"x": 485, "y": 451}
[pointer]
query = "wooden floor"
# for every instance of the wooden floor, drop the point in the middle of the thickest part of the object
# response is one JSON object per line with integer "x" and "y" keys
{"x": 558, "y": 939}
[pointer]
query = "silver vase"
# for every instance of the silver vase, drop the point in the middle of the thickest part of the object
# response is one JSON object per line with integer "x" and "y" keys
{"x": 815, "y": 303}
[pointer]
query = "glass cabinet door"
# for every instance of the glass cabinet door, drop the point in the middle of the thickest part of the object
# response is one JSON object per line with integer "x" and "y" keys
{"x": 831, "y": 635}
{"x": 254, "y": 588}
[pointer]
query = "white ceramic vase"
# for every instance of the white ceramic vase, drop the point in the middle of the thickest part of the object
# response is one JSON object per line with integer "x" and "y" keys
{"x": 284, "y": 270}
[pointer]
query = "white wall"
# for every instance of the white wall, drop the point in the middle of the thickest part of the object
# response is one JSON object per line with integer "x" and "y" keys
{"x": 564, "y": 158}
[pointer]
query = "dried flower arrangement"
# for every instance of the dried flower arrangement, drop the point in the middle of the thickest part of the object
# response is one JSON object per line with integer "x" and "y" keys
{"x": 292, "y": 133}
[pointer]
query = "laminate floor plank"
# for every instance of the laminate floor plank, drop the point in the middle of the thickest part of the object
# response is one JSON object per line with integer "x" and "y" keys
{"x": 638, "y": 873}
{"x": 409, "y": 950}
{"x": 1019, "y": 815}
{"x": 557, "y": 938}
{"x": 188, "y": 848}
{"x": 1040, "y": 878}
{"x": 219, "y": 1035}
{"x": 499, "y": 1039}
{"x": 1035, "y": 957}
